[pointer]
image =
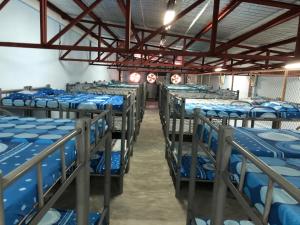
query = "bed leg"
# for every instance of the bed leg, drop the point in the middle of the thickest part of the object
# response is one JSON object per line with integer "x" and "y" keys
{"x": 83, "y": 177}
{"x": 2, "y": 219}
{"x": 220, "y": 187}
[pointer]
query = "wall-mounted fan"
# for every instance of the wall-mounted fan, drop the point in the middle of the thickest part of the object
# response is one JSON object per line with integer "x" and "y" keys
{"x": 151, "y": 78}
{"x": 175, "y": 79}
{"x": 135, "y": 77}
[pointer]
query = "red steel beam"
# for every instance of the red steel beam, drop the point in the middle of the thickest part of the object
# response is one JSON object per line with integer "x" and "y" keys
{"x": 143, "y": 51}
{"x": 79, "y": 40}
{"x": 84, "y": 7}
{"x": 123, "y": 10}
{"x": 128, "y": 24}
{"x": 99, "y": 40}
{"x": 274, "y": 22}
{"x": 162, "y": 28}
{"x": 297, "y": 49}
{"x": 138, "y": 29}
{"x": 214, "y": 31}
{"x": 226, "y": 11}
{"x": 272, "y": 3}
{"x": 43, "y": 21}
{"x": 3, "y": 4}
{"x": 69, "y": 18}
{"x": 74, "y": 22}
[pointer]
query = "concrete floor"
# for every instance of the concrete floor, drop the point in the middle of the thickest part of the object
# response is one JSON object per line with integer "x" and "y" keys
{"x": 148, "y": 197}
{"x": 149, "y": 194}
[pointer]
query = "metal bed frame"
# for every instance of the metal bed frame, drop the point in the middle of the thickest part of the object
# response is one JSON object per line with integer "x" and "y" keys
{"x": 166, "y": 106}
{"x": 126, "y": 134}
{"x": 79, "y": 170}
{"x": 140, "y": 96}
{"x": 27, "y": 88}
{"x": 223, "y": 181}
{"x": 181, "y": 136}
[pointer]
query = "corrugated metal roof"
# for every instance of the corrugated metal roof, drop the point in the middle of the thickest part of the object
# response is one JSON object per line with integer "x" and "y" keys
{"x": 149, "y": 14}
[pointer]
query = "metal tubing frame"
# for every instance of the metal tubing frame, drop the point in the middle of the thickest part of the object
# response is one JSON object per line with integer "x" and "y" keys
{"x": 81, "y": 172}
{"x": 222, "y": 181}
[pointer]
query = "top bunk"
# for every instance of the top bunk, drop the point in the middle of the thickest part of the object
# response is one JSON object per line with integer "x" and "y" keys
{"x": 105, "y": 87}
{"x": 246, "y": 109}
{"x": 56, "y": 100}
{"x": 200, "y": 91}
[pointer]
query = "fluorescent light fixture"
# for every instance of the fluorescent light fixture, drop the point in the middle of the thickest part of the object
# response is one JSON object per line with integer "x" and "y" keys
{"x": 198, "y": 16}
{"x": 219, "y": 69}
{"x": 169, "y": 17}
{"x": 293, "y": 66}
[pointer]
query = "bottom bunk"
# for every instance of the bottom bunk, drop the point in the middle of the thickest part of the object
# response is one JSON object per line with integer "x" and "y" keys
{"x": 97, "y": 165}
{"x": 199, "y": 221}
{"x": 66, "y": 217}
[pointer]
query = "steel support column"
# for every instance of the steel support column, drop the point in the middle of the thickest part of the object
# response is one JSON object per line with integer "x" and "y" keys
{"x": 43, "y": 21}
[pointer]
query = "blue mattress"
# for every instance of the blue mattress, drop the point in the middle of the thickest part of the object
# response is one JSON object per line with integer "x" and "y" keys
{"x": 20, "y": 140}
{"x": 66, "y": 217}
{"x": 270, "y": 110}
{"x": 284, "y": 210}
{"x": 262, "y": 142}
{"x": 226, "y": 222}
{"x": 205, "y": 169}
{"x": 98, "y": 163}
{"x": 64, "y": 100}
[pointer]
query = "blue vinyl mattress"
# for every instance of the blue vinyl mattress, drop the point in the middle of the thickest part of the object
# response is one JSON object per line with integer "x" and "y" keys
{"x": 66, "y": 217}
{"x": 20, "y": 140}
{"x": 60, "y": 99}
{"x": 262, "y": 142}
{"x": 285, "y": 210}
{"x": 205, "y": 169}
{"x": 226, "y": 222}
{"x": 98, "y": 160}
{"x": 267, "y": 110}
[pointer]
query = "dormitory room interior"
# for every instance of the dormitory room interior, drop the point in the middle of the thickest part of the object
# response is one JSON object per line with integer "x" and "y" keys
{"x": 149, "y": 112}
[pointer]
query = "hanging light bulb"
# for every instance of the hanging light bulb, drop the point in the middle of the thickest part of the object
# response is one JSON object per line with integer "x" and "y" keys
{"x": 219, "y": 69}
{"x": 169, "y": 14}
{"x": 292, "y": 66}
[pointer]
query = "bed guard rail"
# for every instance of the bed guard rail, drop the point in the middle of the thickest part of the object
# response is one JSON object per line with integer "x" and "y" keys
{"x": 222, "y": 179}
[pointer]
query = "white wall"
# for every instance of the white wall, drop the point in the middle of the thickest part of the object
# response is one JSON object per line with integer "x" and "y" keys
{"x": 19, "y": 67}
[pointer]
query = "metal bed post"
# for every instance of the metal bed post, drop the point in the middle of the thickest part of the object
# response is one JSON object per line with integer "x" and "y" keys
{"x": 192, "y": 180}
{"x": 130, "y": 125}
{"x": 174, "y": 118}
{"x": 83, "y": 177}
{"x": 107, "y": 174}
{"x": 220, "y": 186}
{"x": 123, "y": 137}
{"x": 2, "y": 214}
{"x": 179, "y": 151}
{"x": 167, "y": 115}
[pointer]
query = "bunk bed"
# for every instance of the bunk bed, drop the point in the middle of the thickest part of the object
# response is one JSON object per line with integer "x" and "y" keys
{"x": 224, "y": 112}
{"x": 40, "y": 158}
{"x": 117, "y": 88}
{"x": 58, "y": 103}
{"x": 169, "y": 93}
{"x": 267, "y": 187}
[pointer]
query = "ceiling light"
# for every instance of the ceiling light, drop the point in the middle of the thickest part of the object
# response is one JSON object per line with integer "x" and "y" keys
{"x": 162, "y": 42}
{"x": 169, "y": 14}
{"x": 292, "y": 66}
{"x": 219, "y": 69}
{"x": 169, "y": 17}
